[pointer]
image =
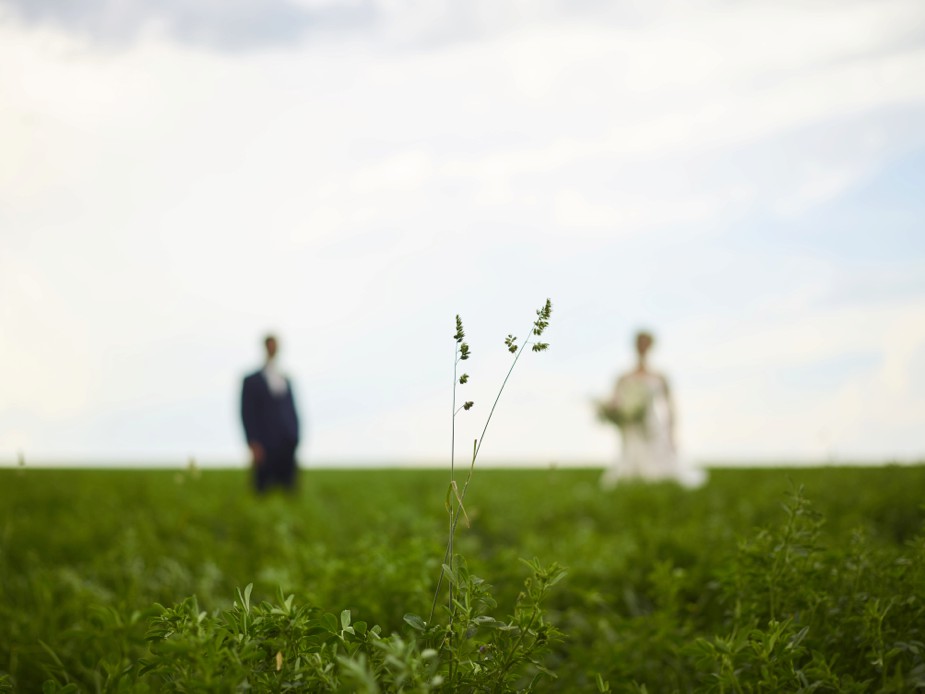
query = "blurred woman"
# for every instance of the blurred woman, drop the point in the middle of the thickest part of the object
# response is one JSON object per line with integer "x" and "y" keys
{"x": 641, "y": 407}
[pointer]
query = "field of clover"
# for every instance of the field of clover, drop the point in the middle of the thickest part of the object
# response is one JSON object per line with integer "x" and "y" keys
{"x": 762, "y": 580}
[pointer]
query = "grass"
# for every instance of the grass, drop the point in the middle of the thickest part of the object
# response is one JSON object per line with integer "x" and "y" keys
{"x": 747, "y": 584}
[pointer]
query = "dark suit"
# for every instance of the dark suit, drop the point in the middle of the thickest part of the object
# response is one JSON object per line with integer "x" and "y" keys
{"x": 271, "y": 421}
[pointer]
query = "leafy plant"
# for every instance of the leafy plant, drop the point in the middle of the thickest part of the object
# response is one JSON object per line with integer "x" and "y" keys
{"x": 663, "y": 583}
{"x": 455, "y": 496}
{"x": 466, "y": 593}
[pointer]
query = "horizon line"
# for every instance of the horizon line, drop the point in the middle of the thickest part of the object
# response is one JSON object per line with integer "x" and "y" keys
{"x": 429, "y": 464}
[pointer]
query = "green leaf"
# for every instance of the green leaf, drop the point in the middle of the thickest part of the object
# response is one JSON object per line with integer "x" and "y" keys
{"x": 345, "y": 619}
{"x": 245, "y": 598}
{"x": 329, "y": 622}
{"x": 455, "y": 488}
{"x": 415, "y": 622}
{"x": 449, "y": 573}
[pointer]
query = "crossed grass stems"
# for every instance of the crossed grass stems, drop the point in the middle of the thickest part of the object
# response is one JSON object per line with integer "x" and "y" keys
{"x": 456, "y": 511}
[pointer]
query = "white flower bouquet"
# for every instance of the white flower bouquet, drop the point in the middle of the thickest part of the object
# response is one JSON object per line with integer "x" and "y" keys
{"x": 628, "y": 407}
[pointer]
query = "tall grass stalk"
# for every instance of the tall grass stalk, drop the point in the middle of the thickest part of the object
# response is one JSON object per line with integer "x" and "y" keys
{"x": 456, "y": 496}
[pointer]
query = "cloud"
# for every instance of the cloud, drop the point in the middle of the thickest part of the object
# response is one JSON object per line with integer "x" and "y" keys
{"x": 235, "y": 25}
{"x": 708, "y": 36}
{"x": 220, "y": 24}
{"x": 807, "y": 380}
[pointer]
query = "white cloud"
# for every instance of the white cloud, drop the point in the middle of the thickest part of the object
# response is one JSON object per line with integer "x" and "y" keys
{"x": 740, "y": 402}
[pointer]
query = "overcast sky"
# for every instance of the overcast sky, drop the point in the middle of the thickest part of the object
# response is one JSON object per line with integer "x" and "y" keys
{"x": 744, "y": 178}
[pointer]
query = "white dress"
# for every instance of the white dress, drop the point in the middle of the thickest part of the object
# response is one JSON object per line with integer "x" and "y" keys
{"x": 648, "y": 451}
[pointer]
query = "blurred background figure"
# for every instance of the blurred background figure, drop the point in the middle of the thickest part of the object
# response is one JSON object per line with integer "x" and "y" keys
{"x": 271, "y": 423}
{"x": 642, "y": 409}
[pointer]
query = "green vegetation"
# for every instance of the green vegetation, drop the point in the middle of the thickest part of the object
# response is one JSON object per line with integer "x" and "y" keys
{"x": 138, "y": 581}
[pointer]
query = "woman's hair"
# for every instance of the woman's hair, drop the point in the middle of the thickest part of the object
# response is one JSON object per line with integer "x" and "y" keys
{"x": 644, "y": 340}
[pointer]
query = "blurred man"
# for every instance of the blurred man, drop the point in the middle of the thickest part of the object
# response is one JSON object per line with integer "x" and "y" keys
{"x": 271, "y": 424}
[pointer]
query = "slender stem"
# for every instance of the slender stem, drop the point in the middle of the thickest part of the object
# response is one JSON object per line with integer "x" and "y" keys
{"x": 452, "y": 478}
{"x": 509, "y": 659}
{"x": 449, "y": 552}
{"x": 462, "y": 495}
{"x": 453, "y": 418}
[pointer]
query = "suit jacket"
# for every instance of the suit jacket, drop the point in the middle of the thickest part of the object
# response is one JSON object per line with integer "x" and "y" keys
{"x": 270, "y": 420}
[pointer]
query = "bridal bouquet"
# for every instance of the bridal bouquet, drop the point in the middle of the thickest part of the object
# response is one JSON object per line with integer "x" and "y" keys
{"x": 628, "y": 407}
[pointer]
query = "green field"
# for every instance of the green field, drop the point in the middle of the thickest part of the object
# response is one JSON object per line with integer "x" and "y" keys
{"x": 744, "y": 585}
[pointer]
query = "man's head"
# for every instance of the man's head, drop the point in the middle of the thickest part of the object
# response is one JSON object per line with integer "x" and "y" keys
{"x": 271, "y": 345}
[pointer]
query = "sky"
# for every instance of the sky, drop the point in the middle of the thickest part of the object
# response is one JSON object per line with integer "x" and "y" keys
{"x": 744, "y": 178}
